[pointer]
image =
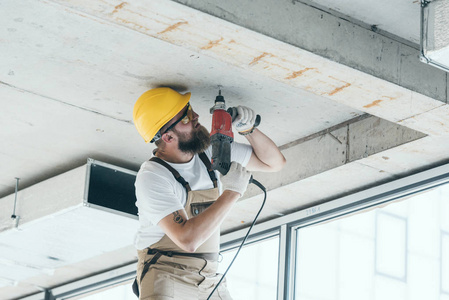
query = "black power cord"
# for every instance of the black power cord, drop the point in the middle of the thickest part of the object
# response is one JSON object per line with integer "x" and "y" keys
{"x": 247, "y": 234}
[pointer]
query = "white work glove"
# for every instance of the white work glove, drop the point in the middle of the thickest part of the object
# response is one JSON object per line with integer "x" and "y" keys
{"x": 245, "y": 119}
{"x": 236, "y": 179}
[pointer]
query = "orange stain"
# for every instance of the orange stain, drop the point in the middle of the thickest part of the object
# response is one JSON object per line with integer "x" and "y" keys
{"x": 212, "y": 44}
{"x": 173, "y": 27}
{"x": 390, "y": 98}
{"x": 255, "y": 60}
{"x": 118, "y": 7}
{"x": 375, "y": 103}
{"x": 339, "y": 89}
{"x": 298, "y": 73}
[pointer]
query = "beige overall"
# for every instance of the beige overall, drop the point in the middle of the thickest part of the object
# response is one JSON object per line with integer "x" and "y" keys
{"x": 183, "y": 275}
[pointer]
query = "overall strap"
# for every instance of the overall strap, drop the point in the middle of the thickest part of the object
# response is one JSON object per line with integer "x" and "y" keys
{"x": 181, "y": 179}
{"x": 208, "y": 165}
{"x": 175, "y": 173}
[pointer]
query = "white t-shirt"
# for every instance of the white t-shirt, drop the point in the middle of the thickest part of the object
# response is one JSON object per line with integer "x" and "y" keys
{"x": 159, "y": 194}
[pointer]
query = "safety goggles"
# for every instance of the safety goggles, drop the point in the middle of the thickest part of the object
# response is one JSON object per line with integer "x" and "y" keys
{"x": 186, "y": 117}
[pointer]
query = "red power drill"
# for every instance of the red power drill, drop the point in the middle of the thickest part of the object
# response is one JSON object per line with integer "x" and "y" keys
{"x": 221, "y": 135}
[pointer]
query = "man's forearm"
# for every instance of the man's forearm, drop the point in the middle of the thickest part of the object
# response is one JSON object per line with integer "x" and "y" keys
{"x": 197, "y": 230}
{"x": 266, "y": 152}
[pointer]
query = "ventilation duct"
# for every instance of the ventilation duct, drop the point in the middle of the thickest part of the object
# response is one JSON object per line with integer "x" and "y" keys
{"x": 67, "y": 219}
{"x": 435, "y": 33}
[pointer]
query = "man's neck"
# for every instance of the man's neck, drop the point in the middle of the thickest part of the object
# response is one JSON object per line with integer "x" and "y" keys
{"x": 175, "y": 156}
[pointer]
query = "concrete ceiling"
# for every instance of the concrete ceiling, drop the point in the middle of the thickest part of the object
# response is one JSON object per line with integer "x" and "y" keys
{"x": 349, "y": 103}
{"x": 400, "y": 18}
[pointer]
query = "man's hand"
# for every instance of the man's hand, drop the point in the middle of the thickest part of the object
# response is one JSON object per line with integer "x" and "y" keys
{"x": 236, "y": 179}
{"x": 245, "y": 119}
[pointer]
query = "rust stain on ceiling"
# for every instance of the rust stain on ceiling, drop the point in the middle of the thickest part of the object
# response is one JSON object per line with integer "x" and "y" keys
{"x": 374, "y": 103}
{"x": 118, "y": 7}
{"x": 299, "y": 73}
{"x": 173, "y": 27}
{"x": 212, "y": 44}
{"x": 377, "y": 102}
{"x": 339, "y": 89}
{"x": 256, "y": 60}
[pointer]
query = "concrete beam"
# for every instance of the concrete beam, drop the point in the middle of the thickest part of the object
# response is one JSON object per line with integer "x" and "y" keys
{"x": 334, "y": 36}
{"x": 342, "y": 144}
{"x": 248, "y": 50}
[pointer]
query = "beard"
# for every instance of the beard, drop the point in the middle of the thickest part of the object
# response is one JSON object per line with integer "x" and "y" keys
{"x": 198, "y": 142}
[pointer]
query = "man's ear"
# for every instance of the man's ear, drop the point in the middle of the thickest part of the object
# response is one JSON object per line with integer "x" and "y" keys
{"x": 168, "y": 137}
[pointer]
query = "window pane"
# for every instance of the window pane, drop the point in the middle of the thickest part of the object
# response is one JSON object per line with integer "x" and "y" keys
{"x": 445, "y": 263}
{"x": 391, "y": 245}
{"x": 396, "y": 252}
{"x": 119, "y": 292}
{"x": 253, "y": 276}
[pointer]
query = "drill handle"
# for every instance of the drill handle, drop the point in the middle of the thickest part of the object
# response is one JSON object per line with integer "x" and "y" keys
{"x": 233, "y": 112}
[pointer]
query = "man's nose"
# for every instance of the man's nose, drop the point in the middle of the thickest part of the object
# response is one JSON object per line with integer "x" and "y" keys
{"x": 195, "y": 115}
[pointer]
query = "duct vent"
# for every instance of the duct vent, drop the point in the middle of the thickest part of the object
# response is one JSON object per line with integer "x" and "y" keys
{"x": 110, "y": 188}
{"x": 435, "y": 34}
{"x": 68, "y": 219}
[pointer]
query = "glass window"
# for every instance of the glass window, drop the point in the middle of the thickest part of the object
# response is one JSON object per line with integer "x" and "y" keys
{"x": 253, "y": 276}
{"x": 395, "y": 252}
{"x": 118, "y": 292}
{"x": 445, "y": 263}
{"x": 391, "y": 245}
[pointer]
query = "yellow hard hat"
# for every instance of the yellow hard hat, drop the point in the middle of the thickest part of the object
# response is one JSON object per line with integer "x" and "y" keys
{"x": 154, "y": 109}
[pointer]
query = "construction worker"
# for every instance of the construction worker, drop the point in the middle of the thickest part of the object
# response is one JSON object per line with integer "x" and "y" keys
{"x": 181, "y": 201}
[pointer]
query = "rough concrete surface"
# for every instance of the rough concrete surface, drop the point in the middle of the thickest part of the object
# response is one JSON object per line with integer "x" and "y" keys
{"x": 321, "y": 33}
